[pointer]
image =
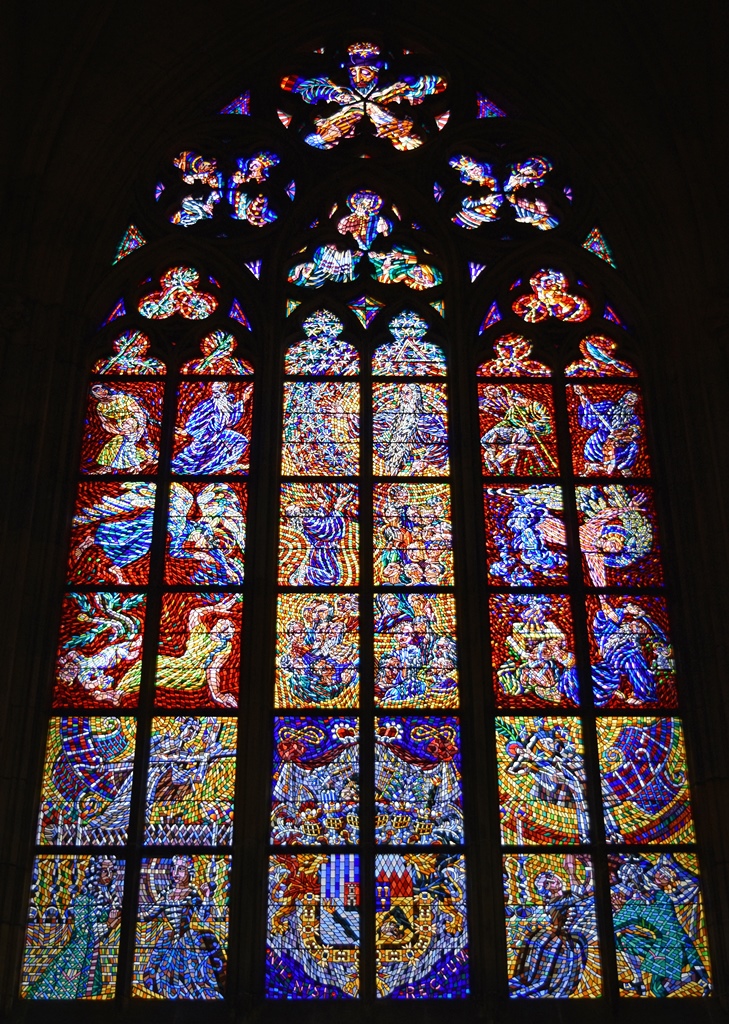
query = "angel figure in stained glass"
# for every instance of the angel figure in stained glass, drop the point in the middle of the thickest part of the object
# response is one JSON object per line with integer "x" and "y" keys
{"x": 615, "y": 432}
{"x": 554, "y": 954}
{"x": 122, "y": 416}
{"x": 187, "y": 960}
{"x": 362, "y": 99}
{"x": 121, "y": 526}
{"x": 208, "y": 528}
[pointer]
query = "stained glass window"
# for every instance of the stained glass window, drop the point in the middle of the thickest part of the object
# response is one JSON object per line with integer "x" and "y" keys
{"x": 344, "y": 531}
{"x": 141, "y": 751}
{"x": 582, "y": 668}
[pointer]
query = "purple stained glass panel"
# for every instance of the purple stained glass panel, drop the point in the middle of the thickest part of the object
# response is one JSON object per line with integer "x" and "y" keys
{"x": 644, "y": 782}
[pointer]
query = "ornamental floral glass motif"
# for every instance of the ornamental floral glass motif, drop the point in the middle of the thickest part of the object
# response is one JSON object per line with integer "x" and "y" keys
{"x": 138, "y": 854}
{"x": 578, "y": 677}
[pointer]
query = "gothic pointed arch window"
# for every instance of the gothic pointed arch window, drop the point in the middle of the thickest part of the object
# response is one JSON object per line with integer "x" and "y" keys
{"x": 308, "y": 703}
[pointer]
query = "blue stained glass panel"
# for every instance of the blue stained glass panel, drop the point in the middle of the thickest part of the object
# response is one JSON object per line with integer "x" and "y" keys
{"x": 315, "y": 795}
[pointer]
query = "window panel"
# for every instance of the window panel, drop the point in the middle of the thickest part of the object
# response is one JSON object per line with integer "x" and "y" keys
{"x": 317, "y": 651}
{"x": 410, "y": 426}
{"x": 413, "y": 534}
{"x": 518, "y": 434}
{"x": 188, "y": 960}
{"x": 122, "y": 428}
{"x": 206, "y": 533}
{"x": 321, "y": 428}
{"x": 525, "y": 535}
{"x": 319, "y": 535}
{"x": 315, "y": 797}
{"x": 533, "y": 651}
{"x": 99, "y": 649}
{"x": 313, "y": 926}
{"x": 213, "y": 428}
{"x": 112, "y": 533}
{"x": 190, "y": 782}
{"x": 607, "y": 430}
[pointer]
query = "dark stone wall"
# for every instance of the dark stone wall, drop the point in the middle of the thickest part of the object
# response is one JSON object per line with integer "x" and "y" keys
{"x": 634, "y": 96}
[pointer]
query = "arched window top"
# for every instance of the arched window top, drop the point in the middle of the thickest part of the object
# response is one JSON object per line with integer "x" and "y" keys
{"x": 408, "y": 355}
{"x": 130, "y": 357}
{"x": 217, "y": 357}
{"x": 322, "y": 352}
